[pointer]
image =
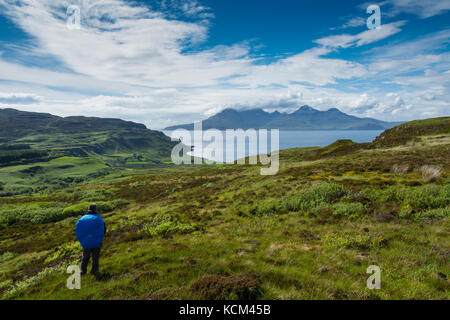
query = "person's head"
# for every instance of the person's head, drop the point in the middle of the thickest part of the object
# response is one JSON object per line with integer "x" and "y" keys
{"x": 93, "y": 207}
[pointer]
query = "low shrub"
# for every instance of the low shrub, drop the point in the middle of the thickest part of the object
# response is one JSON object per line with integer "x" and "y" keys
{"x": 3, "y": 222}
{"x": 164, "y": 225}
{"x": 14, "y": 288}
{"x": 102, "y": 207}
{"x": 433, "y": 214}
{"x": 96, "y": 194}
{"x": 314, "y": 196}
{"x": 321, "y": 195}
{"x": 405, "y": 213}
{"x": 350, "y": 210}
{"x": 34, "y": 212}
{"x": 6, "y": 256}
{"x": 427, "y": 197}
{"x": 66, "y": 250}
{"x": 413, "y": 198}
{"x": 270, "y": 207}
{"x": 45, "y": 212}
{"x": 322, "y": 209}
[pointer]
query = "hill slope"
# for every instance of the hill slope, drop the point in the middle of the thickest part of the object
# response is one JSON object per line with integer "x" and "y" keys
{"x": 434, "y": 131}
{"x": 305, "y": 118}
{"x": 29, "y": 137}
{"x": 39, "y": 151}
{"x": 412, "y": 131}
{"x": 15, "y": 123}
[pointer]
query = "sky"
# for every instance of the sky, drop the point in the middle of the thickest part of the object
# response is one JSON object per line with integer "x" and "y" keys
{"x": 166, "y": 62}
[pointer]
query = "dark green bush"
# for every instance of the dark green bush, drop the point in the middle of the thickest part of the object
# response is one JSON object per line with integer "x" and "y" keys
{"x": 269, "y": 207}
{"x": 433, "y": 214}
{"x": 314, "y": 196}
{"x": 414, "y": 198}
{"x": 102, "y": 207}
{"x": 45, "y": 212}
{"x": 163, "y": 224}
{"x": 305, "y": 199}
{"x": 350, "y": 210}
{"x": 35, "y": 212}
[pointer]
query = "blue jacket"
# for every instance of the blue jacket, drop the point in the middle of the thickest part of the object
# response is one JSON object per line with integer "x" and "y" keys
{"x": 90, "y": 230}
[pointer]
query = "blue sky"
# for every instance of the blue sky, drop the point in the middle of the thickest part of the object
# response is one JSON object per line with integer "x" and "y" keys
{"x": 171, "y": 61}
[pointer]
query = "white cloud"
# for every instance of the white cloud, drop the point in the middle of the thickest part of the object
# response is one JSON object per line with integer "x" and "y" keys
{"x": 423, "y": 9}
{"x": 351, "y": 23}
{"x": 427, "y": 43}
{"x": 120, "y": 42}
{"x": 309, "y": 67}
{"x": 360, "y": 39}
{"x": 397, "y": 66}
{"x": 355, "y": 22}
{"x": 419, "y": 62}
{"x": 18, "y": 98}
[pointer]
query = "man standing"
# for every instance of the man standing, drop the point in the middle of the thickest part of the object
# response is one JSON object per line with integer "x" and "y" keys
{"x": 90, "y": 230}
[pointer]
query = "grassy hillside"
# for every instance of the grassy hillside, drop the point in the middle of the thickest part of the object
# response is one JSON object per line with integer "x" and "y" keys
{"x": 40, "y": 151}
{"x": 15, "y": 123}
{"x": 226, "y": 232}
{"x": 413, "y": 131}
{"x": 50, "y": 175}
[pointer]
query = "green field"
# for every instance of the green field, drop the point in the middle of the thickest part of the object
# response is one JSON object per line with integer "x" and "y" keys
{"x": 40, "y": 176}
{"x": 226, "y": 232}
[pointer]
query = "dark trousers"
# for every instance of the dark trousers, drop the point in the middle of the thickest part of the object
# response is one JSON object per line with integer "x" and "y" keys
{"x": 87, "y": 253}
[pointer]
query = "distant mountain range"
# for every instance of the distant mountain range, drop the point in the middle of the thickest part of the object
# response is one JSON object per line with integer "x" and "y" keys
{"x": 305, "y": 118}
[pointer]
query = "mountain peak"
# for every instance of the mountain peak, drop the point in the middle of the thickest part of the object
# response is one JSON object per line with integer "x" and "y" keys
{"x": 305, "y": 108}
{"x": 305, "y": 118}
{"x": 227, "y": 111}
{"x": 336, "y": 110}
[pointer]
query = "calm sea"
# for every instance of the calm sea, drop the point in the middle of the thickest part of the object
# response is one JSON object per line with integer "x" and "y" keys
{"x": 288, "y": 139}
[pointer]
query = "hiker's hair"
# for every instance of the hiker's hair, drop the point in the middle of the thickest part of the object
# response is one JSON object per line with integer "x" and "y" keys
{"x": 93, "y": 207}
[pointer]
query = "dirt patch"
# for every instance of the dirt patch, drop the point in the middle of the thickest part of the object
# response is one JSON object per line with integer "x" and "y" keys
{"x": 143, "y": 276}
{"x": 305, "y": 234}
{"x": 385, "y": 216}
{"x": 215, "y": 287}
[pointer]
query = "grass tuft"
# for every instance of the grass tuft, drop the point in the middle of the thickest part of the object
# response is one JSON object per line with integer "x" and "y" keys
{"x": 430, "y": 173}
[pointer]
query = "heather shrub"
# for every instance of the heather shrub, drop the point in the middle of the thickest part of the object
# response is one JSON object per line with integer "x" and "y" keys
{"x": 350, "y": 210}
{"x": 269, "y": 207}
{"x": 102, "y": 207}
{"x": 433, "y": 214}
{"x": 163, "y": 224}
{"x": 414, "y": 198}
{"x": 34, "y": 212}
{"x": 314, "y": 196}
